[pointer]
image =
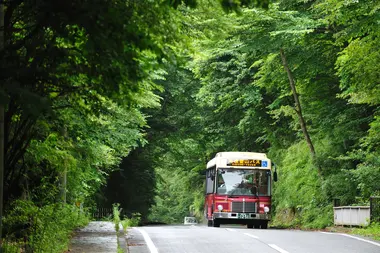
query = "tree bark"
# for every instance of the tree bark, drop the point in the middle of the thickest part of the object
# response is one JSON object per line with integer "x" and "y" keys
{"x": 297, "y": 104}
{"x": 2, "y": 112}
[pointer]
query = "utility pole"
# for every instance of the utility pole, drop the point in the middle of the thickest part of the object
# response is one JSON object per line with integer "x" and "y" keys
{"x": 2, "y": 112}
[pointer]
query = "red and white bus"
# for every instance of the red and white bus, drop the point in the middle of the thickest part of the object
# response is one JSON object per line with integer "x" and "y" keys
{"x": 238, "y": 189}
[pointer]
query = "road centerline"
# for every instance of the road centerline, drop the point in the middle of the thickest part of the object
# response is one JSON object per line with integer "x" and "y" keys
{"x": 274, "y": 246}
{"x": 251, "y": 235}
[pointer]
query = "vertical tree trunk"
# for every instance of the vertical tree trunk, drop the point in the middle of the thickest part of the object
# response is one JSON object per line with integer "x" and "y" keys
{"x": 64, "y": 174}
{"x": 298, "y": 108}
{"x": 2, "y": 112}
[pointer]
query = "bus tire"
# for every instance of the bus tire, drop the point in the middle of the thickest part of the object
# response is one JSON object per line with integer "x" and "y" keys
{"x": 249, "y": 225}
{"x": 264, "y": 225}
{"x": 209, "y": 223}
{"x": 215, "y": 224}
{"x": 256, "y": 225}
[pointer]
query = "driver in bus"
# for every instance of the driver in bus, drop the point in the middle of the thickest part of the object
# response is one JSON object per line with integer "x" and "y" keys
{"x": 221, "y": 185}
{"x": 249, "y": 184}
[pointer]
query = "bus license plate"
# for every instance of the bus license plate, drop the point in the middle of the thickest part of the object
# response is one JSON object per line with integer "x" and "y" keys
{"x": 243, "y": 215}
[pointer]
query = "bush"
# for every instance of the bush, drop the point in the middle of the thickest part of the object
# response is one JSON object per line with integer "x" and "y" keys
{"x": 298, "y": 196}
{"x": 132, "y": 222}
{"x": 116, "y": 216}
{"x": 372, "y": 230}
{"x": 41, "y": 229}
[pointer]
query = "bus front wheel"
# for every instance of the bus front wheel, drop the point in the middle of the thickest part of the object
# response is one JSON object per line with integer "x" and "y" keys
{"x": 209, "y": 223}
{"x": 215, "y": 224}
{"x": 264, "y": 225}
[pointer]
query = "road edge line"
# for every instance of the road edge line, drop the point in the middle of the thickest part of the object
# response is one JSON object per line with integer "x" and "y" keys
{"x": 148, "y": 241}
{"x": 361, "y": 239}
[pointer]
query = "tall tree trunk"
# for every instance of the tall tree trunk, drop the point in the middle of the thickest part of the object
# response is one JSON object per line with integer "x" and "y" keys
{"x": 2, "y": 112}
{"x": 298, "y": 107}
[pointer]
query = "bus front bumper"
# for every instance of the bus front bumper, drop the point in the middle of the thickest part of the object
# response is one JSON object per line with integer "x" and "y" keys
{"x": 244, "y": 216}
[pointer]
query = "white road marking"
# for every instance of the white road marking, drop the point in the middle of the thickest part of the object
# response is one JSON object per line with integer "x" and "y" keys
{"x": 354, "y": 237}
{"x": 251, "y": 235}
{"x": 277, "y": 248}
{"x": 231, "y": 229}
{"x": 327, "y": 233}
{"x": 148, "y": 241}
{"x": 361, "y": 239}
{"x": 273, "y": 246}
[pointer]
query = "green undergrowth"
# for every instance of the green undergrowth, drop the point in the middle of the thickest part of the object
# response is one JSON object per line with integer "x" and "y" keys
{"x": 122, "y": 224}
{"x": 119, "y": 232}
{"x": 134, "y": 221}
{"x": 372, "y": 231}
{"x": 299, "y": 199}
{"x": 31, "y": 228}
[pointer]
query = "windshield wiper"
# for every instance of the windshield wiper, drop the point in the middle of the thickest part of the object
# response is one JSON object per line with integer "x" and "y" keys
{"x": 231, "y": 195}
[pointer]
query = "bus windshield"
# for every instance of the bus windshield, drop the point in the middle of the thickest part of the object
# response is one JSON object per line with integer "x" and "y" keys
{"x": 243, "y": 182}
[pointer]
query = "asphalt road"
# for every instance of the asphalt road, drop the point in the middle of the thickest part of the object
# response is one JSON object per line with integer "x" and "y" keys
{"x": 236, "y": 239}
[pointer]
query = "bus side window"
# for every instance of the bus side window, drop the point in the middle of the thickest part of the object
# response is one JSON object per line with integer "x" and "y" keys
{"x": 209, "y": 181}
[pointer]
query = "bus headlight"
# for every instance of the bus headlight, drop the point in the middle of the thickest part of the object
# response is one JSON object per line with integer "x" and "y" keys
{"x": 220, "y": 207}
{"x": 266, "y": 209}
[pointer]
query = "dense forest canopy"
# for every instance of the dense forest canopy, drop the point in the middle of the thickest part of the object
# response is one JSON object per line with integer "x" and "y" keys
{"x": 106, "y": 102}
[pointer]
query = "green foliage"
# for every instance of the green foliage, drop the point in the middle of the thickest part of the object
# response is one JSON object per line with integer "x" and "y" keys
{"x": 116, "y": 216}
{"x": 298, "y": 196}
{"x": 179, "y": 185}
{"x": 134, "y": 221}
{"x": 132, "y": 186}
{"x": 42, "y": 229}
{"x": 373, "y": 231}
{"x": 242, "y": 101}
{"x": 138, "y": 95}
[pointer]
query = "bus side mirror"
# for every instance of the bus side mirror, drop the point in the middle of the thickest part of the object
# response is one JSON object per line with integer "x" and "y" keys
{"x": 274, "y": 173}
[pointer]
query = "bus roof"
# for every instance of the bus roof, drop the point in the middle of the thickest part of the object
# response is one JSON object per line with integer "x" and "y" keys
{"x": 235, "y": 155}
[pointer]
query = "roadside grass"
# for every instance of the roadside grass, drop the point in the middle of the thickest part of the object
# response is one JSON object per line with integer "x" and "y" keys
{"x": 32, "y": 228}
{"x": 122, "y": 225}
{"x": 119, "y": 233}
{"x": 372, "y": 231}
{"x": 131, "y": 222}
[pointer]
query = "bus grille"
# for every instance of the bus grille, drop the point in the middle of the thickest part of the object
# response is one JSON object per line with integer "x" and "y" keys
{"x": 244, "y": 207}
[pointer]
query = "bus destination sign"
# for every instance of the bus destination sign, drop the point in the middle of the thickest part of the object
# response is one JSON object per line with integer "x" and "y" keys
{"x": 245, "y": 163}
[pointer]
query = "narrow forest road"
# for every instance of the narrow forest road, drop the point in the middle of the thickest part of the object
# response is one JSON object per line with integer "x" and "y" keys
{"x": 101, "y": 237}
{"x": 239, "y": 239}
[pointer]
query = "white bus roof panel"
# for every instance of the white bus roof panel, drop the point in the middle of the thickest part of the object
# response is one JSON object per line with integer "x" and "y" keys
{"x": 221, "y": 158}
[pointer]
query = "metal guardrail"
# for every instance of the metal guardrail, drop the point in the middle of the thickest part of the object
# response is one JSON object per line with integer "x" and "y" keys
{"x": 102, "y": 212}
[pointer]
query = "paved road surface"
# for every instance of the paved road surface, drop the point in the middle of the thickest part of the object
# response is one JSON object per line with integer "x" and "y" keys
{"x": 238, "y": 239}
{"x": 96, "y": 237}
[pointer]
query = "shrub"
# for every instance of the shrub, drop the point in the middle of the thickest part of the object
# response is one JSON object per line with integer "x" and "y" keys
{"x": 116, "y": 216}
{"x": 42, "y": 229}
{"x": 132, "y": 222}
